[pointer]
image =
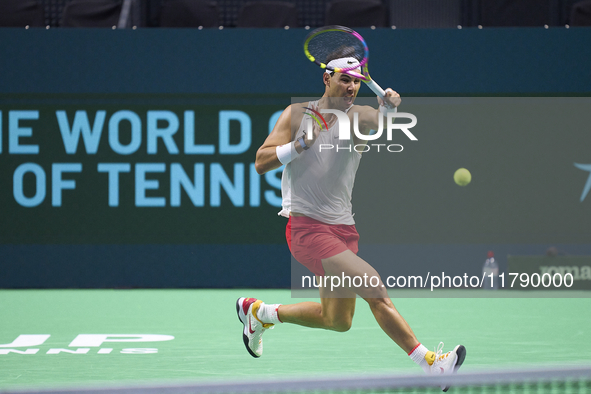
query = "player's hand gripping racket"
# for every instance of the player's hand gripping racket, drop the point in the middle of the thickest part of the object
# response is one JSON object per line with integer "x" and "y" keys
{"x": 327, "y": 40}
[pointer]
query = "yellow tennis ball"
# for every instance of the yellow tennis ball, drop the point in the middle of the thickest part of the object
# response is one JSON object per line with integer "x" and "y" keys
{"x": 462, "y": 177}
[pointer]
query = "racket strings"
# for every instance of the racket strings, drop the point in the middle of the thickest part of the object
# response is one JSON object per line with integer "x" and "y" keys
{"x": 330, "y": 45}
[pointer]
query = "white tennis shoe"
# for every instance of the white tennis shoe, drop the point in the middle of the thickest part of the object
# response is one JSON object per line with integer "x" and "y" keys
{"x": 447, "y": 363}
{"x": 252, "y": 334}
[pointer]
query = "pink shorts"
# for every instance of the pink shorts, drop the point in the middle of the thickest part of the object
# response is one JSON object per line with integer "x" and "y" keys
{"x": 310, "y": 241}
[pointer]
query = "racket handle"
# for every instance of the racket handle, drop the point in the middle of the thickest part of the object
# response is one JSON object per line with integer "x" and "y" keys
{"x": 376, "y": 88}
{"x": 378, "y": 91}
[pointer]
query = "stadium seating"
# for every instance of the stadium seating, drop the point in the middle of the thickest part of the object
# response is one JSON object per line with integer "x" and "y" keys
{"x": 91, "y": 13}
{"x": 581, "y": 14}
{"x": 21, "y": 13}
{"x": 356, "y": 13}
{"x": 189, "y": 13}
{"x": 268, "y": 14}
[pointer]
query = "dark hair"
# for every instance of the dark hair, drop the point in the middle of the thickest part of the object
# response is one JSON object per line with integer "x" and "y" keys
{"x": 342, "y": 51}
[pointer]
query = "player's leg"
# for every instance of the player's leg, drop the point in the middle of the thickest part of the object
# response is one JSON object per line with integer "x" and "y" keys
{"x": 309, "y": 242}
{"x": 348, "y": 265}
{"x": 331, "y": 314}
{"x": 334, "y": 312}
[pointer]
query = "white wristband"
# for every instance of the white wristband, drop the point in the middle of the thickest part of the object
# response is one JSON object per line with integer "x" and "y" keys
{"x": 286, "y": 153}
{"x": 385, "y": 110}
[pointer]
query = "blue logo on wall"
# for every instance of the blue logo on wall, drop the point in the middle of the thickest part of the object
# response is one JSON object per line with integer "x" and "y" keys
{"x": 585, "y": 167}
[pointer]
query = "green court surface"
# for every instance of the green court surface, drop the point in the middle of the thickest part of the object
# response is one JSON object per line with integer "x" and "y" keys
{"x": 498, "y": 333}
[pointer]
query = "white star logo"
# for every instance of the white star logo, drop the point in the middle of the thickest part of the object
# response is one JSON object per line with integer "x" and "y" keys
{"x": 585, "y": 167}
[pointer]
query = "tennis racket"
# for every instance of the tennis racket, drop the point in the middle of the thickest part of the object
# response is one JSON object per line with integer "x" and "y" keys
{"x": 323, "y": 42}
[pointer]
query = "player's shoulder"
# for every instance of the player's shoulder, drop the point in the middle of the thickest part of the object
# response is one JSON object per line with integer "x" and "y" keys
{"x": 298, "y": 106}
{"x": 290, "y": 119}
{"x": 296, "y": 111}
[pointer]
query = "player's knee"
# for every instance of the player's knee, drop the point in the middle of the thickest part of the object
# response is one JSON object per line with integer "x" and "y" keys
{"x": 378, "y": 294}
{"x": 341, "y": 323}
{"x": 378, "y": 302}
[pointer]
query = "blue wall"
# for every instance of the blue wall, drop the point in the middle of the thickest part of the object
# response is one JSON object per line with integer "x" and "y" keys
{"x": 269, "y": 61}
{"x": 114, "y": 68}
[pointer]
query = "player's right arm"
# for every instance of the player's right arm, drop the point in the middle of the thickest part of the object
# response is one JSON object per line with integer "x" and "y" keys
{"x": 283, "y": 133}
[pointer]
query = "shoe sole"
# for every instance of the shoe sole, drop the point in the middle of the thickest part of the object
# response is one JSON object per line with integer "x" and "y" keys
{"x": 461, "y": 355}
{"x": 461, "y": 352}
{"x": 242, "y": 318}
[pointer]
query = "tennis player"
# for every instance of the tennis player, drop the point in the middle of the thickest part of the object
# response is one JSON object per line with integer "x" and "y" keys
{"x": 316, "y": 187}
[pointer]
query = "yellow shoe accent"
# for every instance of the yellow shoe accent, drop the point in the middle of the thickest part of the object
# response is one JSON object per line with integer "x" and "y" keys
{"x": 444, "y": 356}
{"x": 430, "y": 357}
{"x": 255, "y": 309}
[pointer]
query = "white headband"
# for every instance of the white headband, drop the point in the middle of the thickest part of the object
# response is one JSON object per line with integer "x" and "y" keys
{"x": 344, "y": 62}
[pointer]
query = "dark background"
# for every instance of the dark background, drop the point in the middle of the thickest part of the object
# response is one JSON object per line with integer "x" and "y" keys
{"x": 524, "y": 198}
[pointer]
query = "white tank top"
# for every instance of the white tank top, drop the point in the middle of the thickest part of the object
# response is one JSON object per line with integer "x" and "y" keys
{"x": 320, "y": 184}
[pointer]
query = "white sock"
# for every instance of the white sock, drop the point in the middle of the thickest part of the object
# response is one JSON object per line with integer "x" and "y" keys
{"x": 418, "y": 356}
{"x": 267, "y": 313}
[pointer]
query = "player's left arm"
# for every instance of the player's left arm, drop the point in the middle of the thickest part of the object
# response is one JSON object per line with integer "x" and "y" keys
{"x": 369, "y": 117}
